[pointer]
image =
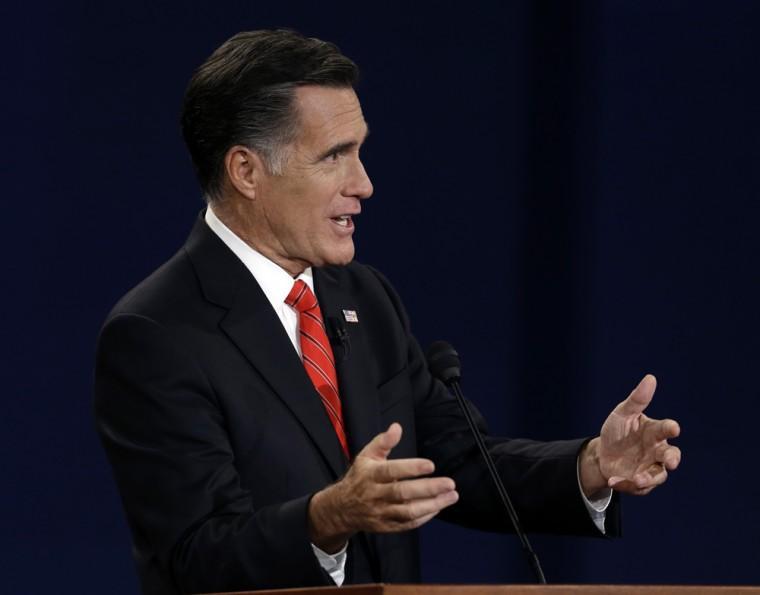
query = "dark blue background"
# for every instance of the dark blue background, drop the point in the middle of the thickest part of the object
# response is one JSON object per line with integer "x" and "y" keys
{"x": 566, "y": 191}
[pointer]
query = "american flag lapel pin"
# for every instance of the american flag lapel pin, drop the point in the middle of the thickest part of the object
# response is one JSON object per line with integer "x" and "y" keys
{"x": 350, "y": 316}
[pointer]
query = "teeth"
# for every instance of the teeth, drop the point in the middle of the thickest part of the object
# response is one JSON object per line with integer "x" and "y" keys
{"x": 342, "y": 220}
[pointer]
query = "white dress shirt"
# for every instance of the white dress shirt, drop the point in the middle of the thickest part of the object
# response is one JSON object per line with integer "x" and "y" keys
{"x": 276, "y": 284}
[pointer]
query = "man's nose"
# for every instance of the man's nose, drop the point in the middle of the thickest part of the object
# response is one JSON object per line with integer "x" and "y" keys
{"x": 359, "y": 184}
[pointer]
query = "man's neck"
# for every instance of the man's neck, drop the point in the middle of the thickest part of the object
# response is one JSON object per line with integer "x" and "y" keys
{"x": 241, "y": 223}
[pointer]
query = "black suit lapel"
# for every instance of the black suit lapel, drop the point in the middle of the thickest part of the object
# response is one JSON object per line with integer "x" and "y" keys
{"x": 358, "y": 392}
{"x": 254, "y": 327}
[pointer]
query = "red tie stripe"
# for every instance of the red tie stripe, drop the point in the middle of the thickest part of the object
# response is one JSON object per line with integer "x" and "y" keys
{"x": 317, "y": 355}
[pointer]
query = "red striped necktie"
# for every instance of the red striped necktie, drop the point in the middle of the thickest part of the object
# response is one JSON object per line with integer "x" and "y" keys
{"x": 317, "y": 355}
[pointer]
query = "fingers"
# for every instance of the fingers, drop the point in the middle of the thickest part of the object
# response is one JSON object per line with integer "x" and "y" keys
{"x": 417, "y": 512}
{"x": 672, "y": 459}
{"x": 642, "y": 482}
{"x": 397, "y": 469}
{"x": 652, "y": 477}
{"x": 382, "y": 444}
{"x": 413, "y": 502}
{"x": 414, "y": 489}
{"x": 396, "y": 505}
{"x": 379, "y": 495}
{"x": 639, "y": 398}
{"x": 669, "y": 456}
{"x": 666, "y": 457}
{"x": 667, "y": 428}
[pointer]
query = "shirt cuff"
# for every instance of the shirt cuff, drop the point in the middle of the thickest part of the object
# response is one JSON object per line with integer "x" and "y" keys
{"x": 333, "y": 564}
{"x": 597, "y": 508}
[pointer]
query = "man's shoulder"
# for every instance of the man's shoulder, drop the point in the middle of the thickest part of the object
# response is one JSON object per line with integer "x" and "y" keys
{"x": 202, "y": 272}
{"x": 167, "y": 289}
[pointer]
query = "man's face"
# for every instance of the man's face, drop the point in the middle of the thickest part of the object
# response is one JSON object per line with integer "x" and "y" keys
{"x": 304, "y": 216}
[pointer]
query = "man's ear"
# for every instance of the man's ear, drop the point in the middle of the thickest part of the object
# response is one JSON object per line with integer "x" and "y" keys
{"x": 244, "y": 169}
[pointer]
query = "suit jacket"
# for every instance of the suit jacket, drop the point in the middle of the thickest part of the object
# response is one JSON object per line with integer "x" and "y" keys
{"x": 218, "y": 439}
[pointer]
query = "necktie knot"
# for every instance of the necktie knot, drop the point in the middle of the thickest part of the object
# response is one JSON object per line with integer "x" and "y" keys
{"x": 301, "y": 297}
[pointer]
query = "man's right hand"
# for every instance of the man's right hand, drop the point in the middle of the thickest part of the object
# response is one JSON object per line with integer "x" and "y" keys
{"x": 378, "y": 495}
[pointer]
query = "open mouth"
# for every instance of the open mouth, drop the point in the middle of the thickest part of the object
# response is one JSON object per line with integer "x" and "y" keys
{"x": 343, "y": 221}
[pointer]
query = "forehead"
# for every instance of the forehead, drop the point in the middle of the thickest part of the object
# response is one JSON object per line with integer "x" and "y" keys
{"x": 329, "y": 115}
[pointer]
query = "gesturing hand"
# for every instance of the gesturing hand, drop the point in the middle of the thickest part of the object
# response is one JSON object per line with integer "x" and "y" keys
{"x": 378, "y": 495}
{"x": 632, "y": 453}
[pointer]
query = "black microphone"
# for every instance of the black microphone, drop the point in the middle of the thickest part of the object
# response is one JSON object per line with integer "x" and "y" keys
{"x": 443, "y": 362}
{"x": 337, "y": 333}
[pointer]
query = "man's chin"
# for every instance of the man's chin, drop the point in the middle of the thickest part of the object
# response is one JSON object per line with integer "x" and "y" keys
{"x": 340, "y": 257}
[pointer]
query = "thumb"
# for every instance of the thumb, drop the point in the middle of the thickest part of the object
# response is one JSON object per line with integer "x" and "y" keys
{"x": 639, "y": 398}
{"x": 382, "y": 444}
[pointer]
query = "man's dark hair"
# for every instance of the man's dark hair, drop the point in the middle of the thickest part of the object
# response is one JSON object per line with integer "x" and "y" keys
{"x": 243, "y": 95}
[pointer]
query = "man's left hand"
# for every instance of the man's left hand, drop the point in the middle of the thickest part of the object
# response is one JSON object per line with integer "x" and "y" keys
{"x": 631, "y": 454}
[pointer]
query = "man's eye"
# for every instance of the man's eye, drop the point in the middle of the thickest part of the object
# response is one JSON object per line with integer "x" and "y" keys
{"x": 333, "y": 156}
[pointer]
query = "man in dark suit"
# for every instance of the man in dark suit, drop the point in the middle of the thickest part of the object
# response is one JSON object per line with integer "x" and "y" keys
{"x": 263, "y": 437}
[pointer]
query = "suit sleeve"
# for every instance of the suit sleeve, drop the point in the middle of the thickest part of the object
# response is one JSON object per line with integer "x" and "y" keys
{"x": 541, "y": 477}
{"x": 164, "y": 433}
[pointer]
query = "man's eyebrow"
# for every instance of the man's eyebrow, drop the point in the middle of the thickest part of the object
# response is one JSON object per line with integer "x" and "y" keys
{"x": 342, "y": 147}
